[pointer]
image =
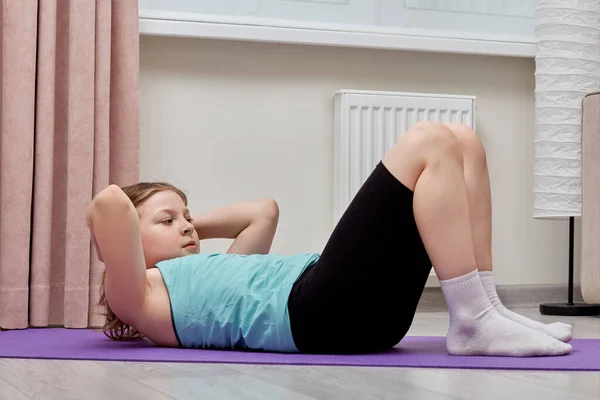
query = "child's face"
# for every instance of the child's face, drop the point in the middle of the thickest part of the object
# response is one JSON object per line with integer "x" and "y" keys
{"x": 166, "y": 228}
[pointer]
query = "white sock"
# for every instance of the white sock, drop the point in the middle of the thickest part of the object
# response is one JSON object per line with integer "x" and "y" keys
{"x": 476, "y": 328}
{"x": 557, "y": 330}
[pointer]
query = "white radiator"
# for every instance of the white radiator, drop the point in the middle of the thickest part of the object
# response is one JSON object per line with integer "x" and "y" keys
{"x": 367, "y": 124}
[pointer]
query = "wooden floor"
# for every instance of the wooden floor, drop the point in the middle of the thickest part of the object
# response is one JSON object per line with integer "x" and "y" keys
{"x": 39, "y": 379}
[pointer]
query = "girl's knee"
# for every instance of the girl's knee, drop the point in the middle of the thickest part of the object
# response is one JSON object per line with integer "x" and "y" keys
{"x": 470, "y": 143}
{"x": 423, "y": 144}
{"x": 436, "y": 140}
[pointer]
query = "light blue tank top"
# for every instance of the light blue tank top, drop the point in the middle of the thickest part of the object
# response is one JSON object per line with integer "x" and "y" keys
{"x": 232, "y": 301}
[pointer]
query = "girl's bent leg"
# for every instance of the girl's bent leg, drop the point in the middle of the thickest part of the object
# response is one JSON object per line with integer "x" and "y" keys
{"x": 477, "y": 182}
{"x": 429, "y": 159}
{"x": 362, "y": 294}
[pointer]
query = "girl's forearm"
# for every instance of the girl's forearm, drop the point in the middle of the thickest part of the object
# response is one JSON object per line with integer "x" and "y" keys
{"x": 229, "y": 221}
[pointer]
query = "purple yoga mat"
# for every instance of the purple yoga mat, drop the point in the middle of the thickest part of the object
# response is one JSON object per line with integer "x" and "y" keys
{"x": 412, "y": 351}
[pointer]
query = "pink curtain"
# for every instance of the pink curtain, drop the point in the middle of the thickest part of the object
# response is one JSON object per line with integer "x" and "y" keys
{"x": 69, "y": 127}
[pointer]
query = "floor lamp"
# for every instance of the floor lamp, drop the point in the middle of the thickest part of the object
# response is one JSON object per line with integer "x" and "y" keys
{"x": 570, "y": 308}
{"x": 567, "y": 60}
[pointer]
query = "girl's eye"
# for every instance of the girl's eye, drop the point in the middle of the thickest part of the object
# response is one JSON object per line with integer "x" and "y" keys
{"x": 170, "y": 221}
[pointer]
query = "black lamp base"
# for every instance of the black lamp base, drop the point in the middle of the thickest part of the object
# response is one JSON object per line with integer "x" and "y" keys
{"x": 571, "y": 310}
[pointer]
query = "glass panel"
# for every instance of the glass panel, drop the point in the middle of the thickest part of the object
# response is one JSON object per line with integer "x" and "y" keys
{"x": 465, "y": 18}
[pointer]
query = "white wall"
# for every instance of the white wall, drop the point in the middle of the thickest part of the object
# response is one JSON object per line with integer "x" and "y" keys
{"x": 232, "y": 121}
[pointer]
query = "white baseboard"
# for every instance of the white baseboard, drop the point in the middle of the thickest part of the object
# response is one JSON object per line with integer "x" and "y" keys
{"x": 517, "y": 296}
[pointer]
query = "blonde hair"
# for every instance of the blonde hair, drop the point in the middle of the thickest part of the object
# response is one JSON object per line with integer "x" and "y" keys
{"x": 138, "y": 193}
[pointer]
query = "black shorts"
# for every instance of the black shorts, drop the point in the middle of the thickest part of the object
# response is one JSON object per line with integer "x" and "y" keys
{"x": 362, "y": 294}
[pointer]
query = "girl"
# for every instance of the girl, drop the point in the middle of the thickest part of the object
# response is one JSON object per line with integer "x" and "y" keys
{"x": 426, "y": 203}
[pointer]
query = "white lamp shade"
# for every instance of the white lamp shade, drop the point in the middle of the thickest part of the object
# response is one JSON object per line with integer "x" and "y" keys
{"x": 567, "y": 68}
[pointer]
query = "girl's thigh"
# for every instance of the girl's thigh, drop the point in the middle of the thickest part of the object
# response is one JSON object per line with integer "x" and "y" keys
{"x": 363, "y": 292}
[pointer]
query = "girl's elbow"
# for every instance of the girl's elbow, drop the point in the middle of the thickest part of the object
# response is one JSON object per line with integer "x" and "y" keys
{"x": 270, "y": 209}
